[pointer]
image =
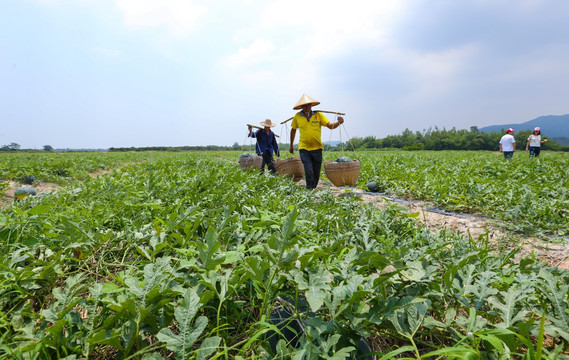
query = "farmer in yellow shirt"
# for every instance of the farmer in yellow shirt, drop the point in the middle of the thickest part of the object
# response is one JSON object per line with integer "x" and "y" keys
{"x": 310, "y": 144}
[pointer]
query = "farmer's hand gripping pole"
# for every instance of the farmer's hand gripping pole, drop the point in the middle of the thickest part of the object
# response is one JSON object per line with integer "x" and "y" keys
{"x": 258, "y": 127}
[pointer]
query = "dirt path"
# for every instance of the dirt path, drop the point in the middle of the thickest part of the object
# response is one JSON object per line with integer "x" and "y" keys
{"x": 552, "y": 251}
{"x": 42, "y": 187}
{"x": 39, "y": 187}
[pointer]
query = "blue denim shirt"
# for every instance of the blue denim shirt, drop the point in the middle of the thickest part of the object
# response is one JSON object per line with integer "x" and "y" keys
{"x": 265, "y": 142}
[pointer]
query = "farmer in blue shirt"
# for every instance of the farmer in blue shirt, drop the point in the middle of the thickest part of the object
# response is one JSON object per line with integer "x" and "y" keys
{"x": 266, "y": 145}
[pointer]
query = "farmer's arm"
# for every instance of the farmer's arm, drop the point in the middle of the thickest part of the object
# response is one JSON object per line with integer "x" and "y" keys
{"x": 251, "y": 133}
{"x": 292, "y": 136}
{"x": 276, "y": 147}
{"x": 336, "y": 124}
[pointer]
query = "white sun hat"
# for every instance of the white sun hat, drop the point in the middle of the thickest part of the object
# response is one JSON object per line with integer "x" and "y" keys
{"x": 268, "y": 122}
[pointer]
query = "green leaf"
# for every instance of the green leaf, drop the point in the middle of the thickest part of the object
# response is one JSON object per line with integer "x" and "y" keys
{"x": 394, "y": 353}
{"x": 219, "y": 282}
{"x": 208, "y": 347}
{"x": 415, "y": 271}
{"x": 507, "y": 309}
{"x": 232, "y": 257}
{"x": 39, "y": 209}
{"x": 208, "y": 249}
{"x": 408, "y": 319}
{"x": 341, "y": 354}
{"x": 189, "y": 331}
{"x": 258, "y": 267}
{"x": 317, "y": 287}
{"x": 287, "y": 229}
{"x": 455, "y": 352}
{"x": 556, "y": 293}
{"x": 66, "y": 298}
{"x": 482, "y": 288}
{"x": 494, "y": 342}
{"x": 152, "y": 356}
{"x": 106, "y": 337}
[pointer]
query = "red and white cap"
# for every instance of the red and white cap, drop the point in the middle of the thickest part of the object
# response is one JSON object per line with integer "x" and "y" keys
{"x": 510, "y": 130}
{"x": 537, "y": 128}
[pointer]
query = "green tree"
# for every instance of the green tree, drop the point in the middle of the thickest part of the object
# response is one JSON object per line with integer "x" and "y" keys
{"x": 12, "y": 147}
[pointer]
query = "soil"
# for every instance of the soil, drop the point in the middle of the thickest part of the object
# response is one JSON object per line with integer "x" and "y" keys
{"x": 554, "y": 251}
{"x": 41, "y": 187}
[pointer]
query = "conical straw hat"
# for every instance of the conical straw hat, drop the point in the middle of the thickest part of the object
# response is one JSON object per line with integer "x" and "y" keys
{"x": 305, "y": 99}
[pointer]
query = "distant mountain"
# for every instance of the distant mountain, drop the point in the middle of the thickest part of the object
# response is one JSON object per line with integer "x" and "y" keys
{"x": 555, "y": 127}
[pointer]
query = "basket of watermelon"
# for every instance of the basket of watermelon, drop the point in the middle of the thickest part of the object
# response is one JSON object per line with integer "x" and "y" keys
{"x": 247, "y": 161}
{"x": 291, "y": 167}
{"x": 343, "y": 171}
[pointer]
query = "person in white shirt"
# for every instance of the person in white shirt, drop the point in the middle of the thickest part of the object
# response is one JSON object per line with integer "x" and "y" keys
{"x": 534, "y": 143}
{"x": 508, "y": 144}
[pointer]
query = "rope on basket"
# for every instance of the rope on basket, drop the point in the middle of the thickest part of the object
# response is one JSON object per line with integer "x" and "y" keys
{"x": 251, "y": 147}
{"x": 284, "y": 126}
{"x": 330, "y": 140}
{"x": 253, "y": 159}
{"x": 340, "y": 128}
{"x": 250, "y": 142}
{"x": 348, "y": 136}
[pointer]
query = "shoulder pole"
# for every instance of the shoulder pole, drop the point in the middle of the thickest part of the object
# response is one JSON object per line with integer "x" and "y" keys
{"x": 258, "y": 127}
{"x": 322, "y": 111}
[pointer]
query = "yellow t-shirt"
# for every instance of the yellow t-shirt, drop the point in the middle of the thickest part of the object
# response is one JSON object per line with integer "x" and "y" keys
{"x": 310, "y": 131}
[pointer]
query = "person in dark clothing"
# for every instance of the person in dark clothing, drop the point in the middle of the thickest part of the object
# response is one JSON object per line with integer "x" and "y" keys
{"x": 266, "y": 145}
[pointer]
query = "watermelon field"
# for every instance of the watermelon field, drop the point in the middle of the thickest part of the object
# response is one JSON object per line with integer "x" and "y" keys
{"x": 182, "y": 255}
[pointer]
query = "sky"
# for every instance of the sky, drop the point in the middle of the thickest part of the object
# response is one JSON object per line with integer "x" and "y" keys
{"x": 135, "y": 73}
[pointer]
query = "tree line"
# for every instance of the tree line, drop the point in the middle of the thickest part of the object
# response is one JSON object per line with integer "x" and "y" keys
{"x": 431, "y": 139}
{"x": 437, "y": 139}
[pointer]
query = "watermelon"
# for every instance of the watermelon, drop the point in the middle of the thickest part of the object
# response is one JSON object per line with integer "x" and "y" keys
{"x": 372, "y": 186}
{"x": 29, "y": 179}
{"x": 343, "y": 159}
{"x": 24, "y": 191}
{"x": 246, "y": 155}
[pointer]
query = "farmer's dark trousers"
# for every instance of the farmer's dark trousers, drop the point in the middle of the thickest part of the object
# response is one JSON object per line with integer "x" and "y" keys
{"x": 268, "y": 160}
{"x": 312, "y": 161}
{"x": 534, "y": 151}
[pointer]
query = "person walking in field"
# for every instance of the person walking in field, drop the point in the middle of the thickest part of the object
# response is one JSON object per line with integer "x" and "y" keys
{"x": 266, "y": 145}
{"x": 508, "y": 144}
{"x": 534, "y": 143}
{"x": 310, "y": 144}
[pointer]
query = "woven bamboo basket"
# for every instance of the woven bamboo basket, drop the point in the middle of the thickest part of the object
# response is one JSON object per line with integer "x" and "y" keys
{"x": 344, "y": 173}
{"x": 248, "y": 162}
{"x": 291, "y": 167}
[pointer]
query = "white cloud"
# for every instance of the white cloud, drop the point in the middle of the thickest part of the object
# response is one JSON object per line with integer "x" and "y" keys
{"x": 299, "y": 34}
{"x": 178, "y": 16}
{"x": 331, "y": 26}
{"x": 257, "y": 52}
